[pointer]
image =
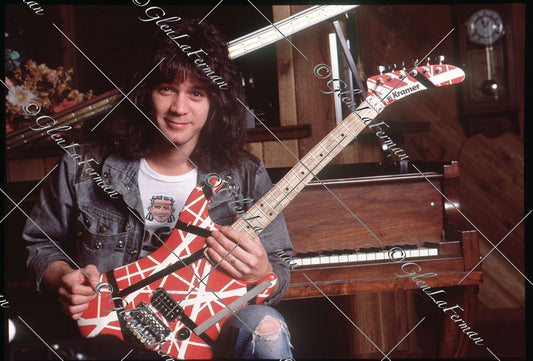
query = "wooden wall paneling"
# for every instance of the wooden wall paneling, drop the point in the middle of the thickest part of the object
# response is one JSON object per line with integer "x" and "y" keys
{"x": 385, "y": 318}
{"x": 285, "y": 65}
{"x": 439, "y": 106}
{"x": 492, "y": 196}
{"x": 394, "y": 35}
{"x": 25, "y": 169}
{"x": 50, "y": 162}
{"x": 256, "y": 148}
{"x": 312, "y": 106}
{"x": 276, "y": 155}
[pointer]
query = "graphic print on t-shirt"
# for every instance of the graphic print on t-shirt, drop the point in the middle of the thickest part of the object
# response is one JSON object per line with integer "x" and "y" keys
{"x": 161, "y": 209}
{"x": 163, "y": 198}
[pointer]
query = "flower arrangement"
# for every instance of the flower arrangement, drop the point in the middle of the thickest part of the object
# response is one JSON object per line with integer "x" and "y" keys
{"x": 50, "y": 88}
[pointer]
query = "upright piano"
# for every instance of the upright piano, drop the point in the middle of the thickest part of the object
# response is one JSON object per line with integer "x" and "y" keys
{"x": 343, "y": 234}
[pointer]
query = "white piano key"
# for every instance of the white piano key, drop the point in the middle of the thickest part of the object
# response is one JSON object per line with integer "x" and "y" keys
{"x": 352, "y": 257}
{"x": 380, "y": 255}
{"x": 306, "y": 261}
{"x": 324, "y": 259}
{"x": 433, "y": 252}
{"x": 371, "y": 256}
{"x": 361, "y": 257}
{"x": 424, "y": 252}
{"x": 415, "y": 253}
{"x": 334, "y": 258}
{"x": 298, "y": 261}
{"x": 343, "y": 258}
{"x": 315, "y": 260}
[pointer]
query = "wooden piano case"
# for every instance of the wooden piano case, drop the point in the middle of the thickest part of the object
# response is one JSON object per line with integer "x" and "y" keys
{"x": 382, "y": 207}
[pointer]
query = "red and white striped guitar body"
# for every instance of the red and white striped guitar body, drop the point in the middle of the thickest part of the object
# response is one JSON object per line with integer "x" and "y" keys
{"x": 157, "y": 297}
{"x": 199, "y": 300}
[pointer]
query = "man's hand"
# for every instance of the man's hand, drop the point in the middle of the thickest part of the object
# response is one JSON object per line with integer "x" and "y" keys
{"x": 75, "y": 291}
{"x": 248, "y": 262}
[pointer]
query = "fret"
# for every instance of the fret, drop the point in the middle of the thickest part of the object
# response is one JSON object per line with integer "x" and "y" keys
{"x": 348, "y": 130}
{"x": 272, "y": 213}
{"x": 284, "y": 198}
{"x": 260, "y": 209}
{"x": 302, "y": 173}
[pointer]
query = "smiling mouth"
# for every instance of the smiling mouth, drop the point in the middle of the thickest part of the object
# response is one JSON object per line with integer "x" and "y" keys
{"x": 175, "y": 122}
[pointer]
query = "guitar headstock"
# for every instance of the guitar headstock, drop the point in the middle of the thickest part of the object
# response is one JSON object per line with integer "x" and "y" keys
{"x": 380, "y": 93}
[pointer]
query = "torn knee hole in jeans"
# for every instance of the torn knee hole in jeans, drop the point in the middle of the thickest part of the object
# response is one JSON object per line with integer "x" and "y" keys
{"x": 269, "y": 328}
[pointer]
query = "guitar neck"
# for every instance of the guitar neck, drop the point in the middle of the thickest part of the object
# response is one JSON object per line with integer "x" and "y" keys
{"x": 274, "y": 201}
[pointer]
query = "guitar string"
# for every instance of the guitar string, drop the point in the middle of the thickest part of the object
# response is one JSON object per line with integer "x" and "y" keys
{"x": 310, "y": 172}
{"x": 197, "y": 276}
{"x": 342, "y": 203}
{"x": 104, "y": 74}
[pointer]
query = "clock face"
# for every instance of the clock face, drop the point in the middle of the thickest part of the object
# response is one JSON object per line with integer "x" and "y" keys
{"x": 484, "y": 27}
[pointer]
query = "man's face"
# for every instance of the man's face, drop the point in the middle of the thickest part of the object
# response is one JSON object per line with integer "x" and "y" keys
{"x": 180, "y": 110}
{"x": 161, "y": 210}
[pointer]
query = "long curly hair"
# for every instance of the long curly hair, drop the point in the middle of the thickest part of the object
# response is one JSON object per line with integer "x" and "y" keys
{"x": 222, "y": 138}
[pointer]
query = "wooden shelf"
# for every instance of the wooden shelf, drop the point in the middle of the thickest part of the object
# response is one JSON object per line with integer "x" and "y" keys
{"x": 282, "y": 132}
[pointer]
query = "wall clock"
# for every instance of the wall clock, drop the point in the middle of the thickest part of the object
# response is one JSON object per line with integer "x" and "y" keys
{"x": 489, "y": 103}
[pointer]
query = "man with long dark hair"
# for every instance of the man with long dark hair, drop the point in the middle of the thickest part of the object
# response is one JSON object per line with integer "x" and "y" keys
{"x": 195, "y": 126}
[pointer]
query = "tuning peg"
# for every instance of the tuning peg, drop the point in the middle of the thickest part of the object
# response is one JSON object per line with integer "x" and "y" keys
{"x": 381, "y": 69}
{"x": 428, "y": 62}
{"x": 440, "y": 59}
{"x": 415, "y": 62}
{"x": 403, "y": 65}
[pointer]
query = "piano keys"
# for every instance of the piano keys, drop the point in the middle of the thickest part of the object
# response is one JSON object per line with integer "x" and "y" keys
{"x": 336, "y": 256}
{"x": 340, "y": 253}
{"x": 347, "y": 254}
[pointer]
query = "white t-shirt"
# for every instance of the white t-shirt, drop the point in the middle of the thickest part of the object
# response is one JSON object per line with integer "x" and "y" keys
{"x": 163, "y": 198}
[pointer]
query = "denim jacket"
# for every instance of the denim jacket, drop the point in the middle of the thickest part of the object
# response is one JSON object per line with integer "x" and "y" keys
{"x": 90, "y": 212}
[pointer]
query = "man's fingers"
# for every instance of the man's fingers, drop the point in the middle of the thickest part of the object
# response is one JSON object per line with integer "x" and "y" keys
{"x": 74, "y": 311}
{"x": 231, "y": 265}
{"x": 86, "y": 295}
{"x": 94, "y": 275}
{"x": 223, "y": 245}
{"x": 244, "y": 241}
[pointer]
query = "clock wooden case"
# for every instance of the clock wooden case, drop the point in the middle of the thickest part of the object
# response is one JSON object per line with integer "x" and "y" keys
{"x": 489, "y": 93}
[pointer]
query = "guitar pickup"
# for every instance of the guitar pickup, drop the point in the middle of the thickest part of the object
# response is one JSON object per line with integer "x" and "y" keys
{"x": 166, "y": 305}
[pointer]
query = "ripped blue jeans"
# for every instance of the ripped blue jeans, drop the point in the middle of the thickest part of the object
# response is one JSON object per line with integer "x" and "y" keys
{"x": 246, "y": 337}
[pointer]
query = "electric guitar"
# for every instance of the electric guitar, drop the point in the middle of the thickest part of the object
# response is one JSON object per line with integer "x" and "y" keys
{"x": 175, "y": 301}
